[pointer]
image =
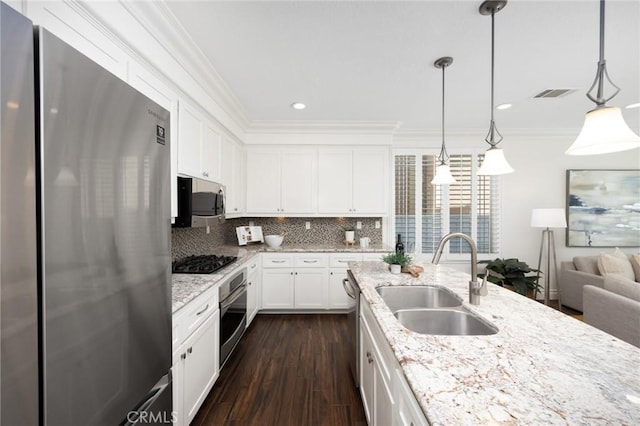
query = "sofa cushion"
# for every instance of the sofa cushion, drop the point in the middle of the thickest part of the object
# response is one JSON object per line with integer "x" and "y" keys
{"x": 635, "y": 264}
{"x": 588, "y": 264}
{"x": 616, "y": 263}
{"x": 622, "y": 286}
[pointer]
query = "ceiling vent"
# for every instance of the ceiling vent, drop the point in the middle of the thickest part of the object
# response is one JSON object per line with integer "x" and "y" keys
{"x": 554, "y": 93}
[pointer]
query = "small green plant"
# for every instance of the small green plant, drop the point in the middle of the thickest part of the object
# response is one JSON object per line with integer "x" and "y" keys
{"x": 397, "y": 259}
{"x": 512, "y": 272}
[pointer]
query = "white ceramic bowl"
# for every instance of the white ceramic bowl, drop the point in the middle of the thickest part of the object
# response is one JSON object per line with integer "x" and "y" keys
{"x": 273, "y": 241}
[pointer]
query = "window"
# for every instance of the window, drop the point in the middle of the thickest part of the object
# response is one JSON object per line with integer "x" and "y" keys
{"x": 424, "y": 213}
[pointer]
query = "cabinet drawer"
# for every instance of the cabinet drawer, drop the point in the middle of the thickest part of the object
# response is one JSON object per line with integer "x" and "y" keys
{"x": 341, "y": 260}
{"x": 310, "y": 260}
{"x": 253, "y": 265}
{"x": 372, "y": 256}
{"x": 276, "y": 260}
{"x": 195, "y": 313}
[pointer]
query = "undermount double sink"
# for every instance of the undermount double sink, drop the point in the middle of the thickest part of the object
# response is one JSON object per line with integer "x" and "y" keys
{"x": 433, "y": 310}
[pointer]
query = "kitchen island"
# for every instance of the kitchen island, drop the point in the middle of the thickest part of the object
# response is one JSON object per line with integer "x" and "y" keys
{"x": 542, "y": 367}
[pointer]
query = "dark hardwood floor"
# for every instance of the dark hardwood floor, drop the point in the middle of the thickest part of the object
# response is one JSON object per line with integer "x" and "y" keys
{"x": 287, "y": 370}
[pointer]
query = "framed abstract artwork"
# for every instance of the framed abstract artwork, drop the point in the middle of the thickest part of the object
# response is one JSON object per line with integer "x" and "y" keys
{"x": 603, "y": 208}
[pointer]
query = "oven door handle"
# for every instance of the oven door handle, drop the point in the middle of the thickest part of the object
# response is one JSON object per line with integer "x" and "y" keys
{"x": 228, "y": 301}
{"x": 348, "y": 289}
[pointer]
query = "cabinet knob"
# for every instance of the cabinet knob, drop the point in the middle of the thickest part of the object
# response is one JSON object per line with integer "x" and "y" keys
{"x": 369, "y": 358}
{"x": 205, "y": 174}
{"x": 189, "y": 350}
{"x": 235, "y": 209}
{"x": 292, "y": 273}
{"x": 183, "y": 356}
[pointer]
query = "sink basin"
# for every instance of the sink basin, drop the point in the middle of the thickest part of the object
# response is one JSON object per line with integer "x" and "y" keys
{"x": 446, "y": 322}
{"x": 409, "y": 297}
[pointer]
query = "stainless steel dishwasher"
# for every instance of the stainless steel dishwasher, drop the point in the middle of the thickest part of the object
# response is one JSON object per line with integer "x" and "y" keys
{"x": 353, "y": 291}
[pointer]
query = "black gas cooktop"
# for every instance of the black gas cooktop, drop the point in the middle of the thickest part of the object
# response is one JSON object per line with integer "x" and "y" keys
{"x": 204, "y": 264}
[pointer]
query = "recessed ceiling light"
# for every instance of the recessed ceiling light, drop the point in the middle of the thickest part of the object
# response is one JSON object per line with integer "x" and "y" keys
{"x": 298, "y": 105}
{"x": 504, "y": 106}
{"x": 636, "y": 105}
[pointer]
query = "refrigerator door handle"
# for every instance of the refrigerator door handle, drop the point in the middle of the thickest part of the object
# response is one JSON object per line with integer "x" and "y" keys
{"x": 134, "y": 415}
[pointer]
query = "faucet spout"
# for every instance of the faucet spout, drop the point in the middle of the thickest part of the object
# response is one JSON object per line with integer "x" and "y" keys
{"x": 474, "y": 286}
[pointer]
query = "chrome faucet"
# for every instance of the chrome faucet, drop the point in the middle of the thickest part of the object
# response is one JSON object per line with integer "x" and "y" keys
{"x": 475, "y": 289}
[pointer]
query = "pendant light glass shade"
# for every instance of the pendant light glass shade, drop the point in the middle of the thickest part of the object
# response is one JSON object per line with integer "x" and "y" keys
{"x": 604, "y": 131}
{"x": 494, "y": 163}
{"x": 443, "y": 176}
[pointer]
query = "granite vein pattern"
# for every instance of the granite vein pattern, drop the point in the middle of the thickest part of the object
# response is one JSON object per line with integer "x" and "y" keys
{"x": 542, "y": 367}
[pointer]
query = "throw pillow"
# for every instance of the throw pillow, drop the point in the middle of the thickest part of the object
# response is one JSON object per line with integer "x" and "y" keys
{"x": 616, "y": 263}
{"x": 587, "y": 264}
{"x": 635, "y": 264}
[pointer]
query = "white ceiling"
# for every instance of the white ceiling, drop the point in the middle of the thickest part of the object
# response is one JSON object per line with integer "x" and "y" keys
{"x": 373, "y": 60}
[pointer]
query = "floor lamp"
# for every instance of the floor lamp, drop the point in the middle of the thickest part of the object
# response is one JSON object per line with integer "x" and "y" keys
{"x": 548, "y": 218}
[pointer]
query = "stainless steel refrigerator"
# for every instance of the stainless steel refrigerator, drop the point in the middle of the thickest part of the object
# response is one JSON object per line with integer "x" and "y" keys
{"x": 102, "y": 218}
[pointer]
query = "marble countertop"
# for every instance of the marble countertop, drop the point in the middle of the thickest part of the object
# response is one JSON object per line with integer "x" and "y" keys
{"x": 186, "y": 287}
{"x": 542, "y": 367}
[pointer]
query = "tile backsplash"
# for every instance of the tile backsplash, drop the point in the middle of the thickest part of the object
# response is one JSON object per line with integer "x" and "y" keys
{"x": 323, "y": 230}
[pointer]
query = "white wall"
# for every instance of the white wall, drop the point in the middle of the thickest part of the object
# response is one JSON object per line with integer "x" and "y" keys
{"x": 539, "y": 181}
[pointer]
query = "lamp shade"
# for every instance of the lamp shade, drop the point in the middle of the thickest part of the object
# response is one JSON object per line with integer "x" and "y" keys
{"x": 604, "y": 131}
{"x": 548, "y": 218}
{"x": 443, "y": 176}
{"x": 494, "y": 163}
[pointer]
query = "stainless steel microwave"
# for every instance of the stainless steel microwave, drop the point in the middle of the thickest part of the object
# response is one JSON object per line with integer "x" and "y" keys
{"x": 200, "y": 203}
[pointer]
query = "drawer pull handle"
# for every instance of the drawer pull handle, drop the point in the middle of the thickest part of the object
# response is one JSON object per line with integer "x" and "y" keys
{"x": 278, "y": 261}
{"x": 202, "y": 311}
{"x": 183, "y": 356}
{"x": 310, "y": 261}
{"x": 189, "y": 350}
{"x": 254, "y": 266}
{"x": 342, "y": 261}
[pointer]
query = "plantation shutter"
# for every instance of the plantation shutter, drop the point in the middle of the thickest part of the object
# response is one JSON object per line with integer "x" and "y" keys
{"x": 405, "y": 199}
{"x": 432, "y": 226}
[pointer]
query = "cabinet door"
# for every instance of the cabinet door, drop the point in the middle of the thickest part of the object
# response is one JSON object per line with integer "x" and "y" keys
{"x": 231, "y": 176}
{"x": 201, "y": 364}
{"x": 383, "y": 406}
{"x": 210, "y": 153}
{"x": 370, "y": 181}
{"x": 263, "y": 182}
{"x": 190, "y": 134}
{"x": 277, "y": 288}
{"x": 253, "y": 286}
{"x": 310, "y": 288}
{"x": 334, "y": 182}
{"x": 367, "y": 380}
{"x": 298, "y": 182}
{"x": 338, "y": 298}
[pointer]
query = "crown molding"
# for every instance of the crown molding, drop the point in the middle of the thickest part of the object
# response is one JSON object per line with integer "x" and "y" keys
{"x": 164, "y": 27}
{"x": 323, "y": 127}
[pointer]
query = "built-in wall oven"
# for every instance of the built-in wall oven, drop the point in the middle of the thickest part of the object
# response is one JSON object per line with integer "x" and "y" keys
{"x": 233, "y": 312}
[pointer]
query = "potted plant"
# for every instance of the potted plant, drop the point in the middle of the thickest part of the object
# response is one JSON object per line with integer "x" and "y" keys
{"x": 512, "y": 273}
{"x": 349, "y": 234}
{"x": 397, "y": 261}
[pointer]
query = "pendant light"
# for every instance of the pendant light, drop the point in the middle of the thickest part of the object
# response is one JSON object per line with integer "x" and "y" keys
{"x": 494, "y": 162}
{"x": 604, "y": 129}
{"x": 443, "y": 172}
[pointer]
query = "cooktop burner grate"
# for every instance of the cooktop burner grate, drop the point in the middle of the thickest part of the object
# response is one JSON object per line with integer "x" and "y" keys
{"x": 203, "y": 264}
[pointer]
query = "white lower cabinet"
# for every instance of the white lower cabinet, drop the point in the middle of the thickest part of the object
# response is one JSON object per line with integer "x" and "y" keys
{"x": 196, "y": 354}
{"x": 295, "y": 281}
{"x": 386, "y": 395}
{"x": 254, "y": 288}
{"x": 375, "y": 388}
{"x": 338, "y": 298}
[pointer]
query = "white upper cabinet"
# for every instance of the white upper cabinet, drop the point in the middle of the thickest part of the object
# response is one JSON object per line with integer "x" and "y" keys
{"x": 232, "y": 176}
{"x": 353, "y": 182}
{"x": 199, "y": 144}
{"x": 281, "y": 182}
